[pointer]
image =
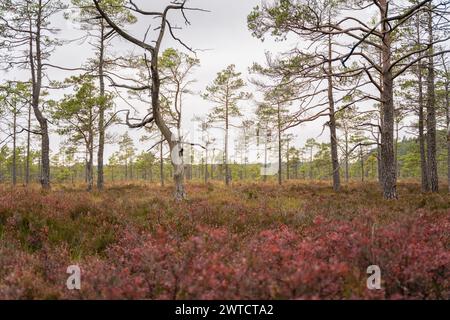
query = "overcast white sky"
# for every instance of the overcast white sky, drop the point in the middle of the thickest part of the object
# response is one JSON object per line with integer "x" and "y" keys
{"x": 223, "y": 32}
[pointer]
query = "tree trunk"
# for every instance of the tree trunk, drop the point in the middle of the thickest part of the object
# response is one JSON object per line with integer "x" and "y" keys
{"x": 36, "y": 80}
{"x": 346, "y": 158}
{"x": 176, "y": 149}
{"x": 431, "y": 115}
{"x": 227, "y": 169}
{"x": 361, "y": 157}
{"x": 90, "y": 146}
{"x": 423, "y": 156}
{"x": 45, "y": 156}
{"x": 14, "y": 155}
{"x": 333, "y": 134}
{"x": 27, "y": 165}
{"x": 206, "y": 165}
{"x": 90, "y": 164}
{"x": 389, "y": 178}
{"x": 288, "y": 173}
{"x": 280, "y": 159}
{"x": 265, "y": 160}
{"x": 101, "y": 116}
{"x": 161, "y": 164}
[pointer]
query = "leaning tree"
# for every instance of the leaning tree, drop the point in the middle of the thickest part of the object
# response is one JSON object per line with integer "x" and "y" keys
{"x": 153, "y": 49}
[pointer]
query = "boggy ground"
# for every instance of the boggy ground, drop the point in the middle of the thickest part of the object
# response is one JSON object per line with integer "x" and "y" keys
{"x": 249, "y": 241}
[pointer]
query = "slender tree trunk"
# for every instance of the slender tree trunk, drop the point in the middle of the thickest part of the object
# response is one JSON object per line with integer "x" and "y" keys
{"x": 28, "y": 157}
{"x": 397, "y": 129}
{"x": 346, "y": 158}
{"x": 227, "y": 124}
{"x": 280, "y": 159}
{"x": 161, "y": 164}
{"x": 431, "y": 114}
{"x": 387, "y": 133}
{"x": 333, "y": 134}
{"x": 90, "y": 163}
{"x": 206, "y": 164}
{"x": 288, "y": 174}
{"x": 176, "y": 150}
{"x": 14, "y": 155}
{"x": 265, "y": 160}
{"x": 101, "y": 116}
{"x": 36, "y": 79}
{"x": 423, "y": 156}
{"x": 361, "y": 157}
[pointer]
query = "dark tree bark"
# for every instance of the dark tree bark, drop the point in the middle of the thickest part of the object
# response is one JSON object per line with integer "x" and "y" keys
{"x": 101, "y": 116}
{"x": 332, "y": 123}
{"x": 423, "y": 156}
{"x": 387, "y": 98}
{"x": 14, "y": 155}
{"x": 36, "y": 79}
{"x": 225, "y": 159}
{"x": 431, "y": 113}
{"x": 28, "y": 156}
{"x": 280, "y": 158}
{"x": 361, "y": 157}
{"x": 161, "y": 164}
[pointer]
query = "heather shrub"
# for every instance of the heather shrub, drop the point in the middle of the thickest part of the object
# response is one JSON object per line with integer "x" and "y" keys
{"x": 294, "y": 242}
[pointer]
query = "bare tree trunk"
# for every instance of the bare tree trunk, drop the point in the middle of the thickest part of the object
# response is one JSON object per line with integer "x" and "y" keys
{"x": 288, "y": 174}
{"x": 14, "y": 155}
{"x": 101, "y": 116}
{"x": 361, "y": 157}
{"x": 396, "y": 147}
{"x": 431, "y": 114}
{"x": 206, "y": 165}
{"x": 161, "y": 164}
{"x": 423, "y": 156}
{"x": 176, "y": 150}
{"x": 265, "y": 160}
{"x": 379, "y": 173}
{"x": 36, "y": 79}
{"x": 280, "y": 159}
{"x": 346, "y": 158}
{"x": 227, "y": 124}
{"x": 333, "y": 134}
{"x": 27, "y": 165}
{"x": 387, "y": 98}
{"x": 90, "y": 163}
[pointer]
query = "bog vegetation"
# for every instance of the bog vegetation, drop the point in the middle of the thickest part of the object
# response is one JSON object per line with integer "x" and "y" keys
{"x": 258, "y": 241}
{"x": 244, "y": 210}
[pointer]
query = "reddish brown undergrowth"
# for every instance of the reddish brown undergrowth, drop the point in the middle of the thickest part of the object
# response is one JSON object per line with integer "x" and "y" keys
{"x": 251, "y": 241}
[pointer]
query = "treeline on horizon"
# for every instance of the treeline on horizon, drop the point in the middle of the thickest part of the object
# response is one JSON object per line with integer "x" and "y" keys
{"x": 145, "y": 167}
